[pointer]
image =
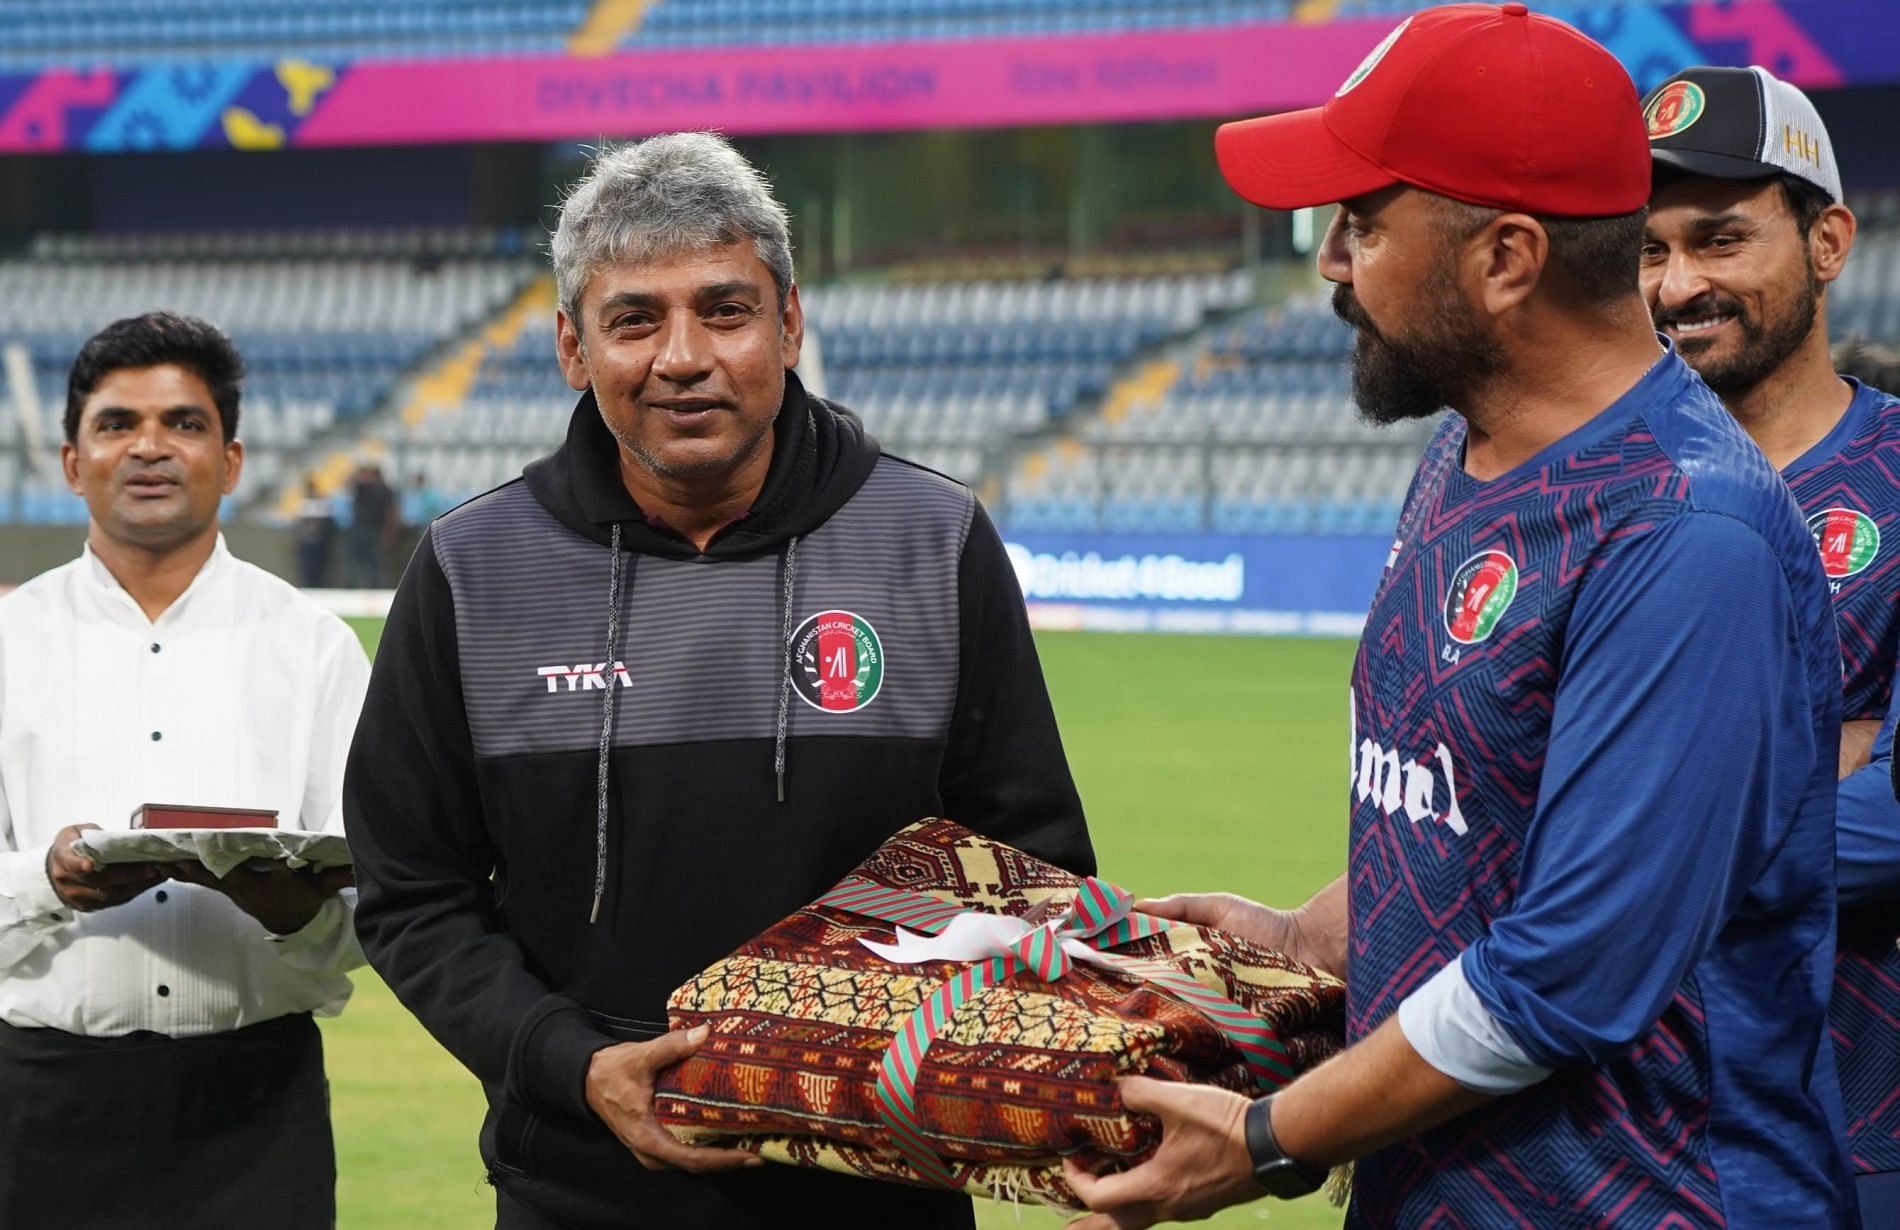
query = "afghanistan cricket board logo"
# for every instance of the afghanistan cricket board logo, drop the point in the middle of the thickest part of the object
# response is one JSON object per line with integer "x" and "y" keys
{"x": 840, "y": 662}
{"x": 1848, "y": 541}
{"x": 1680, "y": 104}
{"x": 1481, "y": 589}
{"x": 1372, "y": 60}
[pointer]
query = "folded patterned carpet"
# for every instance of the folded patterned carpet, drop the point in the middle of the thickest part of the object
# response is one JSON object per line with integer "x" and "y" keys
{"x": 976, "y": 1053}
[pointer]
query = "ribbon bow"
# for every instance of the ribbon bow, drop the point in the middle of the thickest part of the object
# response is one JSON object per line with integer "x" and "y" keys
{"x": 997, "y": 946}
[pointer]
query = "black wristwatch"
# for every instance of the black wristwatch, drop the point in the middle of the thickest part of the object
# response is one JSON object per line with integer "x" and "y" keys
{"x": 1280, "y": 1175}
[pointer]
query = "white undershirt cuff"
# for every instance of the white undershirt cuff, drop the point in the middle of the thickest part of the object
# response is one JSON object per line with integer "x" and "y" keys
{"x": 1452, "y": 1030}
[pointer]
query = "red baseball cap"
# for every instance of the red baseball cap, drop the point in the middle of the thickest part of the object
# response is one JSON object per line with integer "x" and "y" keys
{"x": 1488, "y": 104}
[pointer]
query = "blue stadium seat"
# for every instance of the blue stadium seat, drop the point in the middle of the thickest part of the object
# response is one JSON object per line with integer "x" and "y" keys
{"x": 136, "y": 32}
{"x": 711, "y": 23}
{"x": 327, "y": 352}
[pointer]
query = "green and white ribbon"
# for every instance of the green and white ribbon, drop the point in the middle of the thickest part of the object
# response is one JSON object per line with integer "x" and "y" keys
{"x": 997, "y": 946}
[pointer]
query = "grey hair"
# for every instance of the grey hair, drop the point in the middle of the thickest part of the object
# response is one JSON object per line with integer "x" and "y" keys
{"x": 658, "y": 198}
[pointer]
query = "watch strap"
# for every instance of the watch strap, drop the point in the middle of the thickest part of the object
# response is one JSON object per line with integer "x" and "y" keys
{"x": 1279, "y": 1174}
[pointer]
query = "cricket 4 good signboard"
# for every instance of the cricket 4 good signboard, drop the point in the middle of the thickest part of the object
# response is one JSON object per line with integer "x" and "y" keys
{"x": 1295, "y": 584}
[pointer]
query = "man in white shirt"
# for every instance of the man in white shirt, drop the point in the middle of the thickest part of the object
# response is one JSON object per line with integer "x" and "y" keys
{"x": 159, "y": 1065}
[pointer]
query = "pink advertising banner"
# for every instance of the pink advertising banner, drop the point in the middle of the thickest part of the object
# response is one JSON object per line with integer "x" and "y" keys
{"x": 1211, "y": 71}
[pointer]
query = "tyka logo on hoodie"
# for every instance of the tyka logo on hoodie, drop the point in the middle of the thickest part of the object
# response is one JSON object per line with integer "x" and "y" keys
{"x": 583, "y": 676}
{"x": 839, "y": 662}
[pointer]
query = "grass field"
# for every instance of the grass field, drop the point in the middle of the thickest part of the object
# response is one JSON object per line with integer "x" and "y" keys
{"x": 1205, "y": 763}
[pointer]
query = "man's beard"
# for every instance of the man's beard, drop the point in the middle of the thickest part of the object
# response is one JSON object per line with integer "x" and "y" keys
{"x": 743, "y": 450}
{"x": 1764, "y": 345}
{"x": 1440, "y": 361}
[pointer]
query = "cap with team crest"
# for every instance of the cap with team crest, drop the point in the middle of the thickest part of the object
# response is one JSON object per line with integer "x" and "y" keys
{"x": 1739, "y": 123}
{"x": 1489, "y": 104}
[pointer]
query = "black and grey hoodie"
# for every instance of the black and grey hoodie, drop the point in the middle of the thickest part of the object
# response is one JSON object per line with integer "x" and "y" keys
{"x": 594, "y": 759}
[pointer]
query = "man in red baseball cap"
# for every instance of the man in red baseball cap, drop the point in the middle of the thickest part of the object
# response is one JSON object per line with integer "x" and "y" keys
{"x": 1587, "y": 924}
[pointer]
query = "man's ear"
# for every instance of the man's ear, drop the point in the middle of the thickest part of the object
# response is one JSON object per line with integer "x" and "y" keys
{"x": 570, "y": 350}
{"x": 233, "y": 464}
{"x": 1507, "y": 258}
{"x": 1831, "y": 241}
{"x": 792, "y": 329}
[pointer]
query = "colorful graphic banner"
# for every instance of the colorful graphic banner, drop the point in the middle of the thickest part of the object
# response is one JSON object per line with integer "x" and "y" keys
{"x": 1204, "y": 72}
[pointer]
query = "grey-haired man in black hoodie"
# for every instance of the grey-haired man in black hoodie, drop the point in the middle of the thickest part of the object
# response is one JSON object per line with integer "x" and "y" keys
{"x": 637, "y": 705}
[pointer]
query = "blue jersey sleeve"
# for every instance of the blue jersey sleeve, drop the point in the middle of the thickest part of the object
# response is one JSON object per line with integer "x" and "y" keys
{"x": 1683, "y": 739}
{"x": 1867, "y": 826}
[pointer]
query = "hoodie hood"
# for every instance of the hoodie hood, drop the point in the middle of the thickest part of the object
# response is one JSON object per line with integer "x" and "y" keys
{"x": 821, "y": 455}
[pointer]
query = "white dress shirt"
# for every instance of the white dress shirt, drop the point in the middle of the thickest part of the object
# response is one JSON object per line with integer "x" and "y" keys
{"x": 243, "y": 693}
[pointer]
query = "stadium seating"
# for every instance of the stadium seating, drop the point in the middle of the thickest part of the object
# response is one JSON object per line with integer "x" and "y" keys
{"x": 135, "y": 32}
{"x": 677, "y": 23}
{"x": 1259, "y": 437}
{"x": 1865, "y": 302}
{"x": 138, "y": 32}
{"x": 516, "y": 410}
{"x": 953, "y": 374}
{"x": 325, "y": 338}
{"x": 1001, "y": 380}
{"x": 698, "y": 23}
{"x": 414, "y": 244}
{"x": 949, "y": 375}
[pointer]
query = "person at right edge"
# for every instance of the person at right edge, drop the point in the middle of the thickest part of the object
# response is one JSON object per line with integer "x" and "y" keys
{"x": 1587, "y": 926}
{"x": 1747, "y": 231}
{"x": 638, "y": 705}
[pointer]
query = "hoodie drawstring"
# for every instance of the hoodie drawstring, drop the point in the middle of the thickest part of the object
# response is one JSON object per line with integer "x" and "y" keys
{"x": 612, "y": 680}
{"x": 788, "y": 574}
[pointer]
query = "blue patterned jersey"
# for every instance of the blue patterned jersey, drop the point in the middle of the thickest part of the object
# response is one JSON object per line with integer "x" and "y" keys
{"x": 1848, "y": 487}
{"x": 1595, "y": 719}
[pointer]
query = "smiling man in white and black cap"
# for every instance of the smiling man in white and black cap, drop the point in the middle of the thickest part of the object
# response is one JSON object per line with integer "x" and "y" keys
{"x": 1747, "y": 232}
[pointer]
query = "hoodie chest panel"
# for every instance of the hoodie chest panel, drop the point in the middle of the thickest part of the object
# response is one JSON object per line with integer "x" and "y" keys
{"x": 874, "y": 610}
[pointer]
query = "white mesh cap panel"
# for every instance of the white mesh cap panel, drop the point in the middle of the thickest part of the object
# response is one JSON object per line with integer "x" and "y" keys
{"x": 1793, "y": 138}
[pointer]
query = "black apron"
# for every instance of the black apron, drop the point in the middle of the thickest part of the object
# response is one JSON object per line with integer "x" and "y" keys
{"x": 228, "y": 1130}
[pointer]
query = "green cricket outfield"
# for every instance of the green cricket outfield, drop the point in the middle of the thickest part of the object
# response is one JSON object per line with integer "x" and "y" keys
{"x": 1205, "y": 763}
